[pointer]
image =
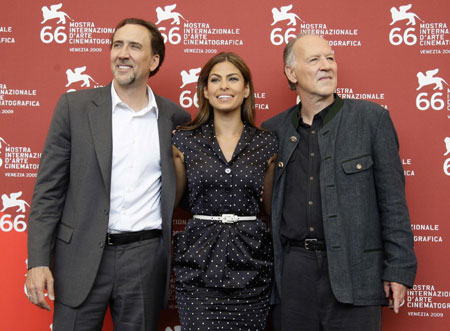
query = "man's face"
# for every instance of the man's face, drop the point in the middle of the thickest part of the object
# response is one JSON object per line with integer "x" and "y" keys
{"x": 315, "y": 69}
{"x": 131, "y": 56}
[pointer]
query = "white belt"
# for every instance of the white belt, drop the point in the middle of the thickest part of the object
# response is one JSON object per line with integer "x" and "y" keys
{"x": 226, "y": 218}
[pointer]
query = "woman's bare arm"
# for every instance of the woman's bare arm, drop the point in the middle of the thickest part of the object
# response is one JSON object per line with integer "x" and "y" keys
{"x": 180, "y": 173}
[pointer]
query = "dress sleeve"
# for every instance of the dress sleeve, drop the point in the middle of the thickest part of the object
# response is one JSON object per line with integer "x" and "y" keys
{"x": 272, "y": 144}
{"x": 178, "y": 139}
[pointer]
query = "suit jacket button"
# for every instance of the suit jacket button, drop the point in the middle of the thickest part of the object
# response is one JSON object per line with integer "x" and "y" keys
{"x": 280, "y": 164}
{"x": 293, "y": 139}
{"x": 359, "y": 166}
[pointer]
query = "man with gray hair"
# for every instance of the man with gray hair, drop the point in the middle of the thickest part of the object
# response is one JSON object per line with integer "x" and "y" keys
{"x": 343, "y": 244}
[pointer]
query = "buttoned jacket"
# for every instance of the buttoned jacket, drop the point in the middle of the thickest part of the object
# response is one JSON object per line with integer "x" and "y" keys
{"x": 365, "y": 216}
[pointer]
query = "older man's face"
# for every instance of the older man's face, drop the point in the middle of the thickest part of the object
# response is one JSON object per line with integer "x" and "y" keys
{"x": 315, "y": 69}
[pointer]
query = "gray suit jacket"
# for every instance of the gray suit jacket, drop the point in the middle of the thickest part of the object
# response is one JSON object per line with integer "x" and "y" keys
{"x": 365, "y": 216}
{"x": 70, "y": 206}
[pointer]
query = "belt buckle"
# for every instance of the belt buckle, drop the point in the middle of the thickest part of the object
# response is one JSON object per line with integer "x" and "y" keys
{"x": 229, "y": 218}
{"x": 308, "y": 242}
{"x": 108, "y": 239}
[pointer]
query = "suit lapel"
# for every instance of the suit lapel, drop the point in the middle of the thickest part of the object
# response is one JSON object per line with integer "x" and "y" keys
{"x": 287, "y": 144}
{"x": 165, "y": 127}
{"x": 100, "y": 121}
{"x": 165, "y": 136}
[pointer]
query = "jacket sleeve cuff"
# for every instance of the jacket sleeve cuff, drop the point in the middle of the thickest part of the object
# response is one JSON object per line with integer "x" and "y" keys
{"x": 400, "y": 275}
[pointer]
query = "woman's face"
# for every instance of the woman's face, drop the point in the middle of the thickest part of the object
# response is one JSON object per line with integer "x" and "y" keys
{"x": 226, "y": 89}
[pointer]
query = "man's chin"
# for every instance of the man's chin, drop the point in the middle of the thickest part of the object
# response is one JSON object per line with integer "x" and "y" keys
{"x": 327, "y": 92}
{"x": 125, "y": 81}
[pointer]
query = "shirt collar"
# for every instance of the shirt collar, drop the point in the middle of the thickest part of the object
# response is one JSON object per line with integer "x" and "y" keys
{"x": 207, "y": 132}
{"x": 118, "y": 103}
{"x": 325, "y": 114}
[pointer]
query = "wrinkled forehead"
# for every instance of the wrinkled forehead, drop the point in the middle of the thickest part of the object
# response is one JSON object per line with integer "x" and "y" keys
{"x": 310, "y": 45}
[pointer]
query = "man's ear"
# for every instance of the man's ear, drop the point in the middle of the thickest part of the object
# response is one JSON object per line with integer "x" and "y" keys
{"x": 289, "y": 72}
{"x": 155, "y": 62}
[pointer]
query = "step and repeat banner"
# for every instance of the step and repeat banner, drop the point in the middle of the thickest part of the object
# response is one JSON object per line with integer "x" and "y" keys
{"x": 395, "y": 53}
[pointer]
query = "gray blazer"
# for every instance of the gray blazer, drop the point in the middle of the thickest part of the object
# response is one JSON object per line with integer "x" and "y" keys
{"x": 70, "y": 207}
{"x": 365, "y": 216}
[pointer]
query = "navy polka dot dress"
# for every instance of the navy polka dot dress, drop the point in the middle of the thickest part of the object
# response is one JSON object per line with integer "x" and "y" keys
{"x": 224, "y": 271}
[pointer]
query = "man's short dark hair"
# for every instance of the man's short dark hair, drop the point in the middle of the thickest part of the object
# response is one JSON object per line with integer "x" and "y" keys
{"x": 157, "y": 40}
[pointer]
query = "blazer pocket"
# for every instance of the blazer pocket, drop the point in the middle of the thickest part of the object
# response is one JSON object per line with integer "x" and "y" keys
{"x": 358, "y": 164}
{"x": 369, "y": 250}
{"x": 64, "y": 233}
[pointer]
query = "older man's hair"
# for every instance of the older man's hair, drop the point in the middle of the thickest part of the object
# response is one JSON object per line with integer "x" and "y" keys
{"x": 289, "y": 55}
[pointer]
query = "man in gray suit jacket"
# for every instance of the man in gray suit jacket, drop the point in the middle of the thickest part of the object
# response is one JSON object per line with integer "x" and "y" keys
{"x": 342, "y": 236}
{"x": 101, "y": 216}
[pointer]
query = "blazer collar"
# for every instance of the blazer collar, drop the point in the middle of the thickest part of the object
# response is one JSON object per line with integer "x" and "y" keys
{"x": 288, "y": 142}
{"x": 100, "y": 122}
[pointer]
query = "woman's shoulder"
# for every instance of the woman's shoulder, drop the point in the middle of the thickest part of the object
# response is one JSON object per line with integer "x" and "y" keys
{"x": 268, "y": 140}
{"x": 182, "y": 133}
{"x": 266, "y": 134}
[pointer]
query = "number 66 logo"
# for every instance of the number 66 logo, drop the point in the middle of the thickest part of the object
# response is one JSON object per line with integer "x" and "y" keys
{"x": 7, "y": 225}
{"x": 396, "y": 38}
{"x": 435, "y": 102}
{"x": 277, "y": 38}
{"x": 59, "y": 36}
{"x": 173, "y": 36}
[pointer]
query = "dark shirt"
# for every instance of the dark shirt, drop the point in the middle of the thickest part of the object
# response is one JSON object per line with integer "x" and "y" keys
{"x": 302, "y": 209}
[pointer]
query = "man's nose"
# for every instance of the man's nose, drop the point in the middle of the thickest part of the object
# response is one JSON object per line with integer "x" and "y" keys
{"x": 123, "y": 53}
{"x": 324, "y": 64}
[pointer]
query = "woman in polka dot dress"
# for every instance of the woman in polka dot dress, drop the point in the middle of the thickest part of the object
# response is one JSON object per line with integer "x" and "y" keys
{"x": 223, "y": 259}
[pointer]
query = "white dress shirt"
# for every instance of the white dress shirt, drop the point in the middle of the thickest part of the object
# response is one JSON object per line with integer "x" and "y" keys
{"x": 136, "y": 167}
